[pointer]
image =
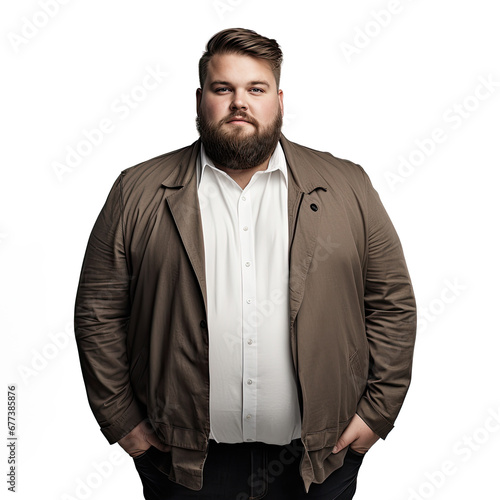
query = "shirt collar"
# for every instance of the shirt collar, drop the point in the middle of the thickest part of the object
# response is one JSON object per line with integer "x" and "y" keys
{"x": 276, "y": 162}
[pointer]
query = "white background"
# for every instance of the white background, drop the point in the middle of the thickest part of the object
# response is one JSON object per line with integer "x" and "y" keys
{"x": 370, "y": 103}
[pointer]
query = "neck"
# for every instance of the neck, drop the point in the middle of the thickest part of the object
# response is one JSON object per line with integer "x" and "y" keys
{"x": 242, "y": 176}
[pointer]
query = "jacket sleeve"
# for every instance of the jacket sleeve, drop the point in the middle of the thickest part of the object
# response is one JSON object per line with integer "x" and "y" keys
{"x": 390, "y": 319}
{"x": 101, "y": 322}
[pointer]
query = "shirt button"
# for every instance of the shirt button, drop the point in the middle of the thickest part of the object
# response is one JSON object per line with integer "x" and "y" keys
{"x": 249, "y": 341}
{"x": 249, "y": 301}
{"x": 249, "y": 417}
{"x": 249, "y": 439}
{"x": 243, "y": 198}
{"x": 245, "y": 228}
{"x": 249, "y": 381}
{"x": 247, "y": 264}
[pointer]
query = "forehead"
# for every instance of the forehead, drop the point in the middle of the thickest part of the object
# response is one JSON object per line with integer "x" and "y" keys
{"x": 238, "y": 68}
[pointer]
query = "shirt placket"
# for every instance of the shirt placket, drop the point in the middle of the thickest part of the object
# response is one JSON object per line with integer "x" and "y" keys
{"x": 249, "y": 327}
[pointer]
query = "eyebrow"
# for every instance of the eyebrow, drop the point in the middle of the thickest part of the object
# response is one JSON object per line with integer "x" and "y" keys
{"x": 220, "y": 82}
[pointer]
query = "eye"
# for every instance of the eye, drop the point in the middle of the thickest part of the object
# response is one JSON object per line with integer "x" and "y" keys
{"x": 221, "y": 90}
{"x": 256, "y": 90}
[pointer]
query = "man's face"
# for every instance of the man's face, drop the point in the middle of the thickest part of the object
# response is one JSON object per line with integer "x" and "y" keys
{"x": 240, "y": 111}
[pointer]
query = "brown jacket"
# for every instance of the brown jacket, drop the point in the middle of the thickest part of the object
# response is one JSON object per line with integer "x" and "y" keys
{"x": 141, "y": 321}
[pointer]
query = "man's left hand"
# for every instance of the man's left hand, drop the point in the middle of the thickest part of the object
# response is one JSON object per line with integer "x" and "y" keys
{"x": 357, "y": 435}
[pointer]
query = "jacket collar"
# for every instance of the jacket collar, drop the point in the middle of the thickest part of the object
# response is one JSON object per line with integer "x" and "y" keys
{"x": 304, "y": 174}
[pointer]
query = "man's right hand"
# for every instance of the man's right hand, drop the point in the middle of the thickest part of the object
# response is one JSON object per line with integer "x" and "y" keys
{"x": 140, "y": 439}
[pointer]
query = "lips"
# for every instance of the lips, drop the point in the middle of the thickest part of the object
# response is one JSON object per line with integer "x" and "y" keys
{"x": 238, "y": 119}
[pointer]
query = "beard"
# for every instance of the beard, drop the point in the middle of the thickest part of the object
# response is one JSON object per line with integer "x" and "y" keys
{"x": 239, "y": 149}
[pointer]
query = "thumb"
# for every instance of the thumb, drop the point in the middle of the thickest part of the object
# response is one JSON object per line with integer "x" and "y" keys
{"x": 153, "y": 439}
{"x": 346, "y": 438}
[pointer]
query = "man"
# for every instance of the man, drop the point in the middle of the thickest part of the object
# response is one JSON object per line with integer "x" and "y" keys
{"x": 245, "y": 319}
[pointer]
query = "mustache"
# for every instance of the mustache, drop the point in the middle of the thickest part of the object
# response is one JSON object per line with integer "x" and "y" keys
{"x": 239, "y": 114}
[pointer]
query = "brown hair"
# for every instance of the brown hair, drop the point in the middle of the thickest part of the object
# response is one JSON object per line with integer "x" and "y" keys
{"x": 244, "y": 42}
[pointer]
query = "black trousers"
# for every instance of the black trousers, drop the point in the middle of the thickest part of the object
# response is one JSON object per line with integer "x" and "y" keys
{"x": 251, "y": 471}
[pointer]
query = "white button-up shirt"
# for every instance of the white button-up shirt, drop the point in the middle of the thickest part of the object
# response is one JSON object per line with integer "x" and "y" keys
{"x": 253, "y": 393}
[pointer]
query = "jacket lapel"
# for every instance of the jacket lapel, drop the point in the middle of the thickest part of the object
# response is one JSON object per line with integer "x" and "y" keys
{"x": 303, "y": 221}
{"x": 181, "y": 195}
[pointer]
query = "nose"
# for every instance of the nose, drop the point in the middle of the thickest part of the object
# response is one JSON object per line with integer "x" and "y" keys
{"x": 238, "y": 101}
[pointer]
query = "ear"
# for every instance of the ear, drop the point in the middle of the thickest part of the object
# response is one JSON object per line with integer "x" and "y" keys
{"x": 199, "y": 94}
{"x": 280, "y": 97}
